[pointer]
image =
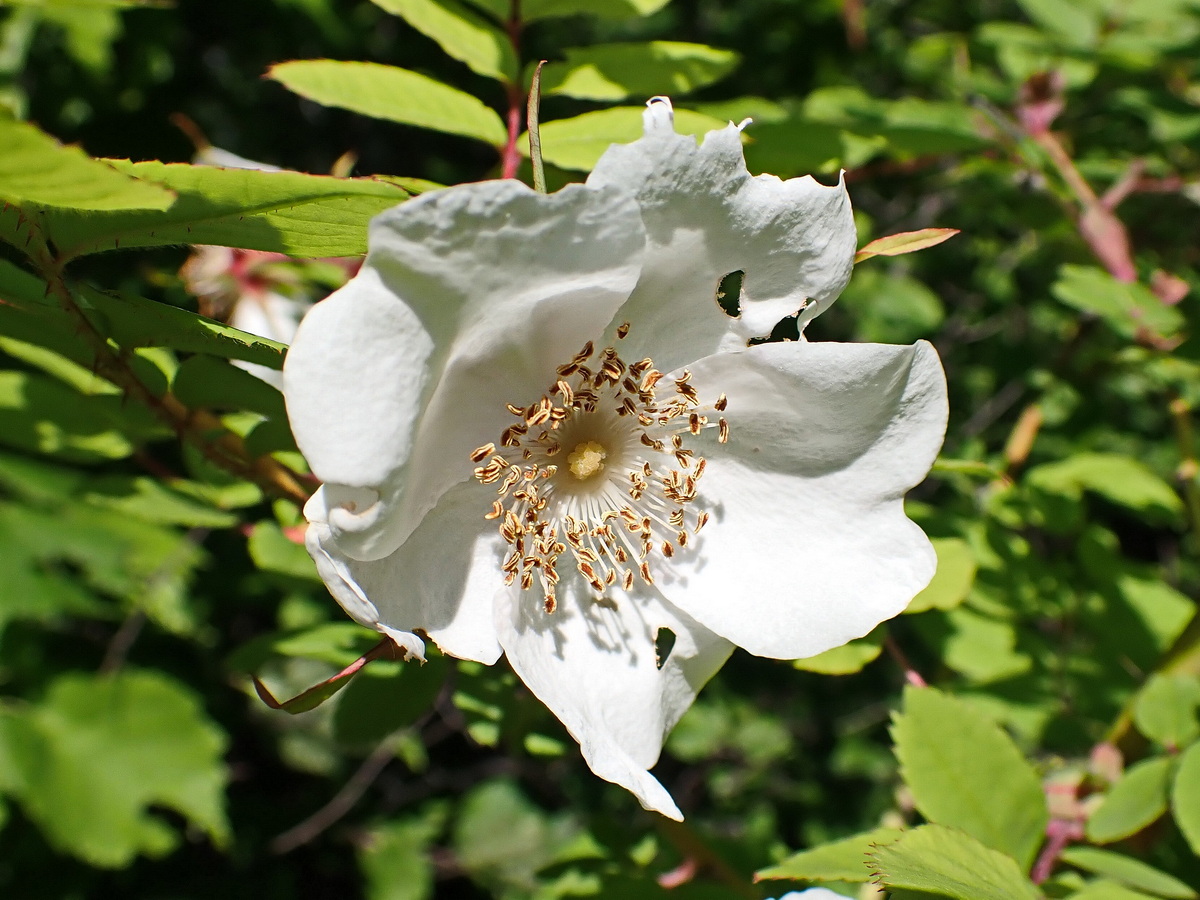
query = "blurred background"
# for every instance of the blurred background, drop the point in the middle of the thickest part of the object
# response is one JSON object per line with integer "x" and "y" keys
{"x": 1062, "y": 138}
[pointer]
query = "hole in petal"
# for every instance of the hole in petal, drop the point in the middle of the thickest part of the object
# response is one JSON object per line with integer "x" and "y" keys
{"x": 785, "y": 330}
{"x": 664, "y": 643}
{"x": 729, "y": 293}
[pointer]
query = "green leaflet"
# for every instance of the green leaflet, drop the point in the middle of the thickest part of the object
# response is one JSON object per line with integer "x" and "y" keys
{"x": 964, "y": 771}
{"x": 1126, "y": 308}
{"x": 1128, "y": 871}
{"x": 577, "y": 143}
{"x": 463, "y": 34}
{"x": 1166, "y": 709}
{"x": 36, "y": 170}
{"x": 953, "y": 579}
{"x": 844, "y": 860}
{"x": 92, "y": 758}
{"x": 949, "y": 863}
{"x": 388, "y": 92}
{"x": 1185, "y": 796}
{"x": 610, "y": 72}
{"x": 284, "y": 212}
{"x": 1134, "y": 802}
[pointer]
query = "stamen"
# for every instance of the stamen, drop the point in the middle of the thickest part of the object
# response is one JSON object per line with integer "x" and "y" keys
{"x": 629, "y": 464}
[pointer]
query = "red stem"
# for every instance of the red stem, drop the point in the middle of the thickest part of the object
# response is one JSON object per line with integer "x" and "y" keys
{"x": 510, "y": 160}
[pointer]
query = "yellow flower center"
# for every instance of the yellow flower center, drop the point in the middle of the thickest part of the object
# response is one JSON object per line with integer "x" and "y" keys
{"x": 632, "y": 490}
{"x": 587, "y": 460}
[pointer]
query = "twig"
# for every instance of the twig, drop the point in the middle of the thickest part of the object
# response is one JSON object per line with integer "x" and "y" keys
{"x": 693, "y": 847}
{"x": 122, "y": 641}
{"x": 911, "y": 675}
{"x": 343, "y": 801}
{"x": 220, "y": 445}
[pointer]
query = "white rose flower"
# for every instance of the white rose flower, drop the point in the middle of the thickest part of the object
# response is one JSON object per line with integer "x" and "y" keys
{"x": 540, "y": 435}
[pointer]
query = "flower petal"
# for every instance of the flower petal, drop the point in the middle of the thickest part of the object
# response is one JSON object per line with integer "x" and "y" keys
{"x": 469, "y": 299}
{"x": 706, "y": 217}
{"x": 443, "y": 580}
{"x": 809, "y": 546}
{"x": 593, "y": 664}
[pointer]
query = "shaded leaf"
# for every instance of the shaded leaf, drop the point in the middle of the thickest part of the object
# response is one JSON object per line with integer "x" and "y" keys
{"x": 1124, "y": 307}
{"x": 99, "y": 752}
{"x": 1120, "y": 479}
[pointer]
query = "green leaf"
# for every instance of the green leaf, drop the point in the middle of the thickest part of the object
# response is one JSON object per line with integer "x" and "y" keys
{"x": 1128, "y": 871}
{"x": 273, "y": 551}
{"x": 612, "y": 72}
{"x": 336, "y": 643}
{"x": 42, "y": 415}
{"x": 391, "y": 93}
{"x": 394, "y": 858}
{"x": 1134, "y": 802}
{"x": 1165, "y": 709}
{"x": 283, "y": 212}
{"x": 953, "y": 579}
{"x": 964, "y": 771}
{"x": 464, "y": 35}
{"x": 36, "y": 170}
{"x": 1104, "y": 889}
{"x": 1185, "y": 796}
{"x": 846, "y": 659}
{"x": 1126, "y": 308}
{"x": 532, "y": 10}
{"x": 948, "y": 863}
{"x": 578, "y": 143}
{"x": 205, "y": 381}
{"x": 385, "y": 698}
{"x": 1119, "y": 479}
{"x": 99, "y": 751}
{"x": 844, "y": 860}
{"x": 501, "y": 838}
{"x": 155, "y": 501}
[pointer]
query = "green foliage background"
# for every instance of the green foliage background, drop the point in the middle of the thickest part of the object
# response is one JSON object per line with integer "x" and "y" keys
{"x": 148, "y": 488}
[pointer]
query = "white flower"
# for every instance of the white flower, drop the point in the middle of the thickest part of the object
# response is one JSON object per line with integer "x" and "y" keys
{"x": 507, "y": 468}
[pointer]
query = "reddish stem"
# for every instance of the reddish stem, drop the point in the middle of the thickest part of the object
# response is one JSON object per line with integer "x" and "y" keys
{"x": 510, "y": 159}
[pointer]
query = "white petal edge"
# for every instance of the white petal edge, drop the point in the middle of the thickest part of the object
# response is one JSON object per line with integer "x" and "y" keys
{"x": 593, "y": 664}
{"x": 706, "y": 217}
{"x": 443, "y": 580}
{"x": 469, "y": 299}
{"x": 809, "y": 545}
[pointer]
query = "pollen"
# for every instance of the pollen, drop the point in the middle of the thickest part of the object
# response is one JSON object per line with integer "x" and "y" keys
{"x": 587, "y": 460}
{"x": 634, "y": 491}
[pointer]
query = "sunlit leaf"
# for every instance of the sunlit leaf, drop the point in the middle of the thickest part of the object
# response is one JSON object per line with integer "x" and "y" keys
{"x": 965, "y": 772}
{"x": 1134, "y": 802}
{"x": 577, "y": 143}
{"x": 611, "y": 72}
{"x": 844, "y": 860}
{"x": 949, "y": 863}
{"x": 36, "y": 170}
{"x": 463, "y": 34}
{"x": 391, "y": 93}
